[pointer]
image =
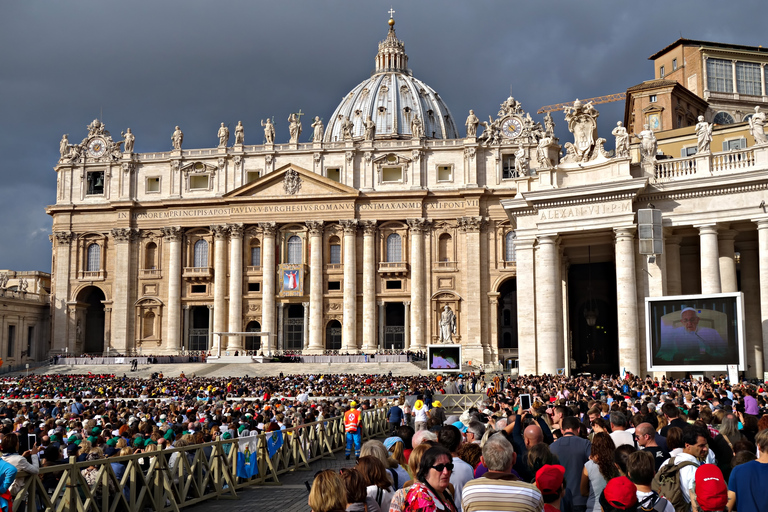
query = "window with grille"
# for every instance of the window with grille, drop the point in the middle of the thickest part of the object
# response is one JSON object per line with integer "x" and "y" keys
{"x": 94, "y": 258}
{"x": 748, "y": 79}
{"x": 508, "y": 167}
{"x": 294, "y": 250}
{"x": 394, "y": 248}
{"x": 255, "y": 256}
{"x": 335, "y": 251}
{"x": 201, "y": 254}
{"x": 719, "y": 75}
{"x": 509, "y": 247}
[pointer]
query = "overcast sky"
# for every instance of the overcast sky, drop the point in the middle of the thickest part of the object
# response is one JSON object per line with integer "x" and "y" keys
{"x": 152, "y": 64}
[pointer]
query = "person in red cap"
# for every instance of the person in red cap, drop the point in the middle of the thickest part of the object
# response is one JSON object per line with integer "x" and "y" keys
{"x": 710, "y": 491}
{"x": 619, "y": 495}
{"x": 549, "y": 480}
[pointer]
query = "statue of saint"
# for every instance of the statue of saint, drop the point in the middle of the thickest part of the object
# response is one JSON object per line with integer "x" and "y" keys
{"x": 471, "y": 123}
{"x": 542, "y": 152}
{"x": 64, "y": 147}
{"x": 521, "y": 162}
{"x": 294, "y": 127}
{"x": 177, "y": 138}
{"x": 549, "y": 125}
{"x": 622, "y": 140}
{"x": 648, "y": 144}
{"x": 129, "y": 141}
{"x": 346, "y": 128}
{"x": 269, "y": 131}
{"x": 417, "y": 129}
{"x": 239, "y": 133}
{"x": 757, "y": 126}
{"x": 703, "y": 135}
{"x": 23, "y": 285}
{"x": 3, "y": 281}
{"x": 318, "y": 128}
{"x": 447, "y": 325}
{"x": 370, "y": 129}
{"x": 223, "y": 135}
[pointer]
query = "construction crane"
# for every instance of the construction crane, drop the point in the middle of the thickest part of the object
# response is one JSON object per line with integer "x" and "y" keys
{"x": 595, "y": 101}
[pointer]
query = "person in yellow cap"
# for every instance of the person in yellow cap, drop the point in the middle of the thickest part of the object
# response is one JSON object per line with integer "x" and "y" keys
{"x": 353, "y": 429}
{"x": 420, "y": 415}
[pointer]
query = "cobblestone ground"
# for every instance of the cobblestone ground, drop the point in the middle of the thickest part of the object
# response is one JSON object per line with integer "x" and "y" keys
{"x": 291, "y": 496}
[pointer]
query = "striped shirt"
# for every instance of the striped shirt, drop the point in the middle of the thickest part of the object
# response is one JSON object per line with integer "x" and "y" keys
{"x": 496, "y": 492}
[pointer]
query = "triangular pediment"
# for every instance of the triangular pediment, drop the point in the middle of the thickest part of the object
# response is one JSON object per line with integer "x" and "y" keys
{"x": 282, "y": 183}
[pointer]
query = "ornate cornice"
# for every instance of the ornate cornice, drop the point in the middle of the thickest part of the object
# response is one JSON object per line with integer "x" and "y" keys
{"x": 64, "y": 237}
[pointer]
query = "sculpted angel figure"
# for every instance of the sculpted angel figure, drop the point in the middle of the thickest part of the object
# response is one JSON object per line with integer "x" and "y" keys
{"x": 318, "y": 127}
{"x": 269, "y": 131}
{"x": 239, "y": 133}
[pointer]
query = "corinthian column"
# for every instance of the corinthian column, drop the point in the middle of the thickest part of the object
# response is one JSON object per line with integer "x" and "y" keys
{"x": 173, "y": 235}
{"x": 473, "y": 312}
{"x": 122, "y": 328}
{"x": 418, "y": 307}
{"x": 61, "y": 320}
{"x": 349, "y": 328}
{"x": 220, "y": 233}
{"x": 626, "y": 298}
{"x": 235, "y": 285}
{"x": 369, "y": 285}
{"x": 268, "y": 292}
{"x": 315, "y": 285}
{"x": 710, "y": 264}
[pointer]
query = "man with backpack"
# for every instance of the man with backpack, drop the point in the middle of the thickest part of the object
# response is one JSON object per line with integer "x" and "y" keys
{"x": 640, "y": 470}
{"x": 675, "y": 480}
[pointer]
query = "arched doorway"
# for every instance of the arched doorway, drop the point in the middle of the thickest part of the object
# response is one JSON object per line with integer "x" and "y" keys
{"x": 507, "y": 323}
{"x": 253, "y": 342}
{"x": 92, "y": 333}
{"x": 333, "y": 335}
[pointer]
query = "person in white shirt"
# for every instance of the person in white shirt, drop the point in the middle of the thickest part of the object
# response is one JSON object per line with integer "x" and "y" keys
{"x": 695, "y": 451}
{"x": 619, "y": 432}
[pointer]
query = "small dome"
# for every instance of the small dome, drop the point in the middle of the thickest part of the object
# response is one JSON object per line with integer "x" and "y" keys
{"x": 392, "y": 97}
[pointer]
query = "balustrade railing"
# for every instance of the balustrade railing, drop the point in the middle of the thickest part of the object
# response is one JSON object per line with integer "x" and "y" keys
{"x": 676, "y": 168}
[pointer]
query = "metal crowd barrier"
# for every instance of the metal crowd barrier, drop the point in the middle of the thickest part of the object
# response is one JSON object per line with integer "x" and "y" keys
{"x": 162, "y": 482}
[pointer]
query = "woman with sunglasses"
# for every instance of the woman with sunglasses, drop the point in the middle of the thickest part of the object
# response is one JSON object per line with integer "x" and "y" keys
{"x": 430, "y": 492}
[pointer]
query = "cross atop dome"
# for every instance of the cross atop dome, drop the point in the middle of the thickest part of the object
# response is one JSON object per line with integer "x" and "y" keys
{"x": 391, "y": 56}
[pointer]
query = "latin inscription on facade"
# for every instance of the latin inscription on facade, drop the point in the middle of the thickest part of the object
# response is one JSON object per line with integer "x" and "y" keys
{"x": 587, "y": 210}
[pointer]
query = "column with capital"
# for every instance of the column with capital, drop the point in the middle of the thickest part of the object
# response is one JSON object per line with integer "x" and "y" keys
{"x": 407, "y": 334}
{"x": 122, "y": 327}
{"x": 220, "y": 235}
{"x": 710, "y": 264}
{"x": 727, "y": 260}
{"x": 382, "y": 321}
{"x": 173, "y": 235}
{"x": 369, "y": 285}
{"x": 626, "y": 299}
{"x": 475, "y": 342}
{"x": 59, "y": 311}
{"x": 762, "y": 248}
{"x": 315, "y": 285}
{"x": 349, "y": 321}
{"x": 526, "y": 306}
{"x": 269, "y": 229}
{"x": 549, "y": 344}
{"x": 235, "y": 285}
{"x": 418, "y": 227}
{"x": 750, "y": 285}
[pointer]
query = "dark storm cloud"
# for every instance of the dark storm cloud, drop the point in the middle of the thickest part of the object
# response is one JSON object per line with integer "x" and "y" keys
{"x": 151, "y": 65}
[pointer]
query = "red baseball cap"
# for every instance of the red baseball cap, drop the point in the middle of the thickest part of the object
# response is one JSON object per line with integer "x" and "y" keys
{"x": 711, "y": 491}
{"x": 549, "y": 479}
{"x": 619, "y": 494}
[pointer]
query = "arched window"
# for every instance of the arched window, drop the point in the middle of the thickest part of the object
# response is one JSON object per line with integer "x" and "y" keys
{"x": 394, "y": 248}
{"x": 723, "y": 118}
{"x": 201, "y": 254}
{"x": 150, "y": 257}
{"x": 294, "y": 250}
{"x": 445, "y": 247}
{"x": 94, "y": 258}
{"x": 255, "y": 254}
{"x": 335, "y": 250}
{"x": 149, "y": 325}
{"x": 509, "y": 246}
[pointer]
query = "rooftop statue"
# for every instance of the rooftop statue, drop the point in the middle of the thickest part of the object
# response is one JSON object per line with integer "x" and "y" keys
{"x": 549, "y": 125}
{"x": 622, "y": 140}
{"x": 269, "y": 131}
{"x": 318, "y": 127}
{"x": 370, "y": 129}
{"x": 223, "y": 135}
{"x": 417, "y": 128}
{"x": 471, "y": 123}
{"x": 239, "y": 133}
{"x": 757, "y": 127}
{"x": 703, "y": 135}
{"x": 346, "y": 128}
{"x": 648, "y": 144}
{"x": 294, "y": 127}
{"x": 177, "y": 138}
{"x": 128, "y": 140}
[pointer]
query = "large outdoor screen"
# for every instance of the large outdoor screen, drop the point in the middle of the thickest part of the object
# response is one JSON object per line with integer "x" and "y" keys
{"x": 445, "y": 358}
{"x": 695, "y": 332}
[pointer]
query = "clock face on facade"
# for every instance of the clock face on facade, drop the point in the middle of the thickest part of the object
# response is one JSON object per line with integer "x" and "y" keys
{"x": 97, "y": 147}
{"x": 511, "y": 128}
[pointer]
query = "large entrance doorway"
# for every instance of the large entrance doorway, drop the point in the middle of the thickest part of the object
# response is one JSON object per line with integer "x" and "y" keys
{"x": 293, "y": 327}
{"x": 253, "y": 342}
{"x": 593, "y": 317}
{"x": 199, "y": 327}
{"x": 394, "y": 328}
{"x": 333, "y": 335}
{"x": 93, "y": 333}
{"x": 507, "y": 323}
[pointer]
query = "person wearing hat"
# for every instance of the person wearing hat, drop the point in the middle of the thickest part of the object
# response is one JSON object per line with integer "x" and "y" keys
{"x": 353, "y": 430}
{"x": 619, "y": 495}
{"x": 420, "y": 415}
{"x": 709, "y": 492}
{"x": 549, "y": 480}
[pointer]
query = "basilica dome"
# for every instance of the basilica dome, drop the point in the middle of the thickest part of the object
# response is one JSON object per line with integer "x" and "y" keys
{"x": 392, "y": 98}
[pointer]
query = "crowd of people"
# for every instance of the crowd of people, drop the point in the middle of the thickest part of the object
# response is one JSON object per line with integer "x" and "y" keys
{"x": 532, "y": 443}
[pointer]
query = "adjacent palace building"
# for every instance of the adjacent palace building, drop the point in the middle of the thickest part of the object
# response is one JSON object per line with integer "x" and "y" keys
{"x": 389, "y": 222}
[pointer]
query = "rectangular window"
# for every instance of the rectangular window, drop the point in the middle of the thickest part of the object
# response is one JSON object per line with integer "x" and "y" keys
{"x": 444, "y": 173}
{"x": 95, "y": 183}
{"x": 30, "y": 338}
{"x": 674, "y": 64}
{"x": 394, "y": 285}
{"x": 255, "y": 256}
{"x": 507, "y": 167}
{"x": 334, "y": 174}
{"x": 198, "y": 288}
{"x": 334, "y": 285}
{"x": 748, "y": 79}
{"x": 719, "y": 75}
{"x": 734, "y": 144}
{"x": 11, "y": 340}
{"x": 198, "y": 182}
{"x": 391, "y": 174}
{"x": 661, "y": 72}
{"x": 254, "y": 287}
{"x": 252, "y": 176}
{"x": 335, "y": 254}
{"x": 653, "y": 98}
{"x": 153, "y": 184}
{"x": 689, "y": 151}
